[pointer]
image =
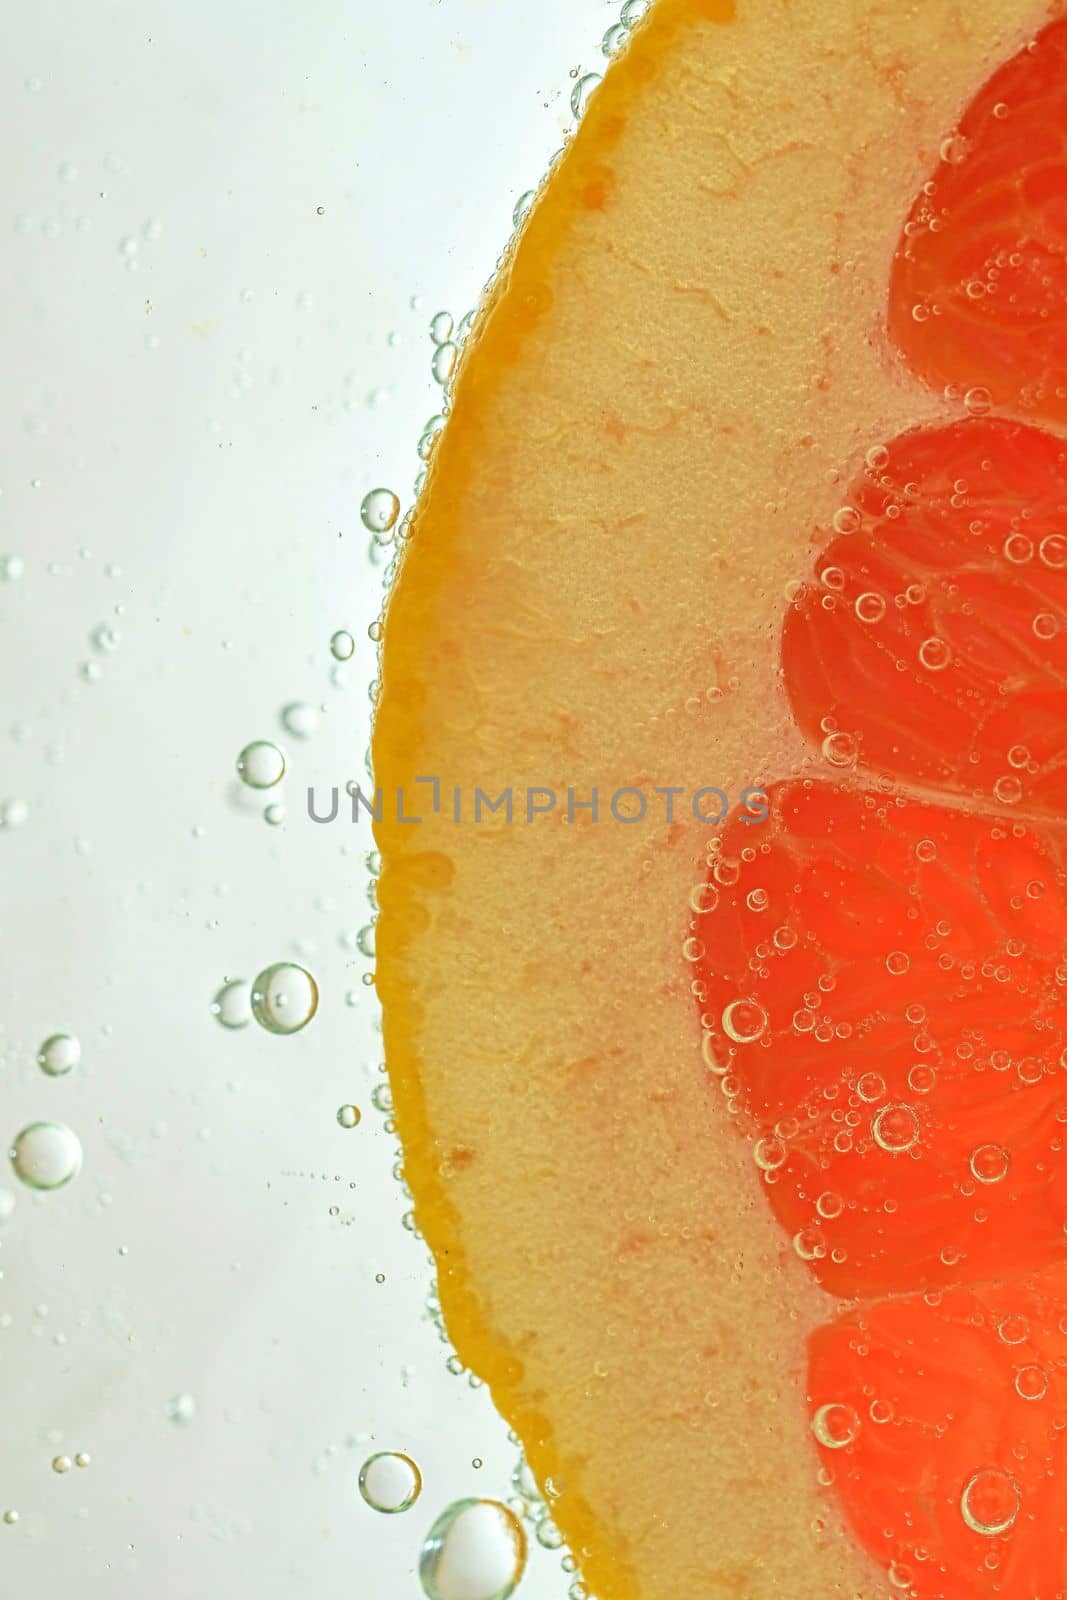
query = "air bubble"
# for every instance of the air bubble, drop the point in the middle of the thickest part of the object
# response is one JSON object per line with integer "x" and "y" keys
{"x": 769, "y": 1154}
{"x": 846, "y": 519}
{"x": 299, "y": 719}
{"x": 990, "y": 1163}
{"x": 232, "y": 1005}
{"x": 1045, "y": 625}
{"x": 274, "y": 814}
{"x": 342, "y": 645}
{"x": 1031, "y": 1383}
{"x": 744, "y": 1021}
{"x": 895, "y": 1128}
{"x": 379, "y": 510}
{"x": 59, "y": 1054}
{"x": 349, "y": 1116}
{"x": 990, "y": 1502}
{"x": 476, "y": 1550}
{"x": 840, "y": 749}
{"x": 181, "y": 1409}
{"x": 285, "y": 997}
{"x": 1052, "y": 551}
{"x": 46, "y": 1155}
{"x": 1008, "y": 790}
{"x": 390, "y": 1482}
{"x": 444, "y": 362}
{"x": 583, "y": 91}
{"x": 835, "y": 1426}
{"x": 11, "y": 568}
{"x": 934, "y": 654}
{"x": 261, "y": 765}
{"x": 978, "y": 401}
{"x": 870, "y": 607}
{"x": 442, "y": 328}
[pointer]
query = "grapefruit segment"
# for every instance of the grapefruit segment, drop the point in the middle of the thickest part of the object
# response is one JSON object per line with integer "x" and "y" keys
{"x": 940, "y": 1419}
{"x": 932, "y": 645}
{"x": 978, "y": 295}
{"x": 881, "y": 981}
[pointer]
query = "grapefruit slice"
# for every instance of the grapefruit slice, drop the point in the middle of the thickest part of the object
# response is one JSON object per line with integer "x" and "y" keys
{"x": 681, "y": 369}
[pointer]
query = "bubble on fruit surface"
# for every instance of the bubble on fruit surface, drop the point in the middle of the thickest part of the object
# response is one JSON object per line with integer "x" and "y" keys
{"x": 299, "y": 719}
{"x": 284, "y": 998}
{"x": 59, "y": 1054}
{"x": 379, "y": 510}
{"x": 934, "y": 654}
{"x": 895, "y": 1128}
{"x": 990, "y": 1163}
{"x": 476, "y": 1550}
{"x": 390, "y": 1482}
{"x": 46, "y": 1155}
{"x": 840, "y": 749}
{"x": 744, "y": 1021}
{"x": 342, "y": 645}
{"x": 835, "y": 1425}
{"x": 444, "y": 361}
{"x": 232, "y": 1005}
{"x": 870, "y": 607}
{"x": 990, "y": 1502}
{"x": 442, "y": 327}
{"x": 349, "y": 1116}
{"x": 1031, "y": 1383}
{"x": 583, "y": 91}
{"x": 261, "y": 764}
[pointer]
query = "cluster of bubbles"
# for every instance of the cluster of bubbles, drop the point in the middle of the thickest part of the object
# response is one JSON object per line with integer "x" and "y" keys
{"x": 47, "y": 1155}
{"x": 283, "y": 998}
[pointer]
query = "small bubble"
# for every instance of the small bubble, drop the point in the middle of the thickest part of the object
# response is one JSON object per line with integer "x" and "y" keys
{"x": 342, "y": 645}
{"x": 1052, "y": 551}
{"x": 1008, "y": 790}
{"x": 895, "y": 1128}
{"x": 105, "y": 638}
{"x": 990, "y": 1163}
{"x": 349, "y": 1116}
{"x": 11, "y": 1517}
{"x": 978, "y": 401}
{"x": 990, "y": 1502}
{"x": 1031, "y": 1383}
{"x": 83, "y": 1459}
{"x": 583, "y": 91}
{"x": 835, "y": 1426}
{"x": 261, "y": 765}
{"x": 181, "y": 1409}
{"x": 59, "y": 1054}
{"x": 846, "y": 519}
{"x": 934, "y": 654}
{"x": 870, "y": 607}
{"x": 285, "y": 997}
{"x": 442, "y": 327}
{"x": 744, "y": 1021}
{"x": 13, "y": 814}
{"x": 390, "y": 1482}
{"x": 870, "y": 1086}
{"x": 379, "y": 510}
{"x": 61, "y": 1463}
{"x": 46, "y": 1155}
{"x": 299, "y": 719}
{"x": 274, "y": 814}
{"x": 476, "y": 1550}
{"x": 1045, "y": 625}
{"x": 11, "y": 568}
{"x": 954, "y": 149}
{"x": 1018, "y": 549}
{"x": 444, "y": 362}
{"x": 232, "y": 1005}
{"x": 897, "y": 963}
{"x": 769, "y": 1154}
{"x": 840, "y": 749}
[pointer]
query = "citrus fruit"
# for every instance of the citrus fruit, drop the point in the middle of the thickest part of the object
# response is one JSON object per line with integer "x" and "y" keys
{"x": 672, "y": 395}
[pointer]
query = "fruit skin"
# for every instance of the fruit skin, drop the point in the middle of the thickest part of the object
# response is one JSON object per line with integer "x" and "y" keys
{"x": 943, "y": 1387}
{"x": 978, "y": 294}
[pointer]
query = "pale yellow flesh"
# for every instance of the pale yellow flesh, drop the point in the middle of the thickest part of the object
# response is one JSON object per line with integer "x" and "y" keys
{"x": 623, "y": 494}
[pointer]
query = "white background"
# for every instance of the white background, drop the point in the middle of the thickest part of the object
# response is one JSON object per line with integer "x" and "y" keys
{"x": 202, "y": 377}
